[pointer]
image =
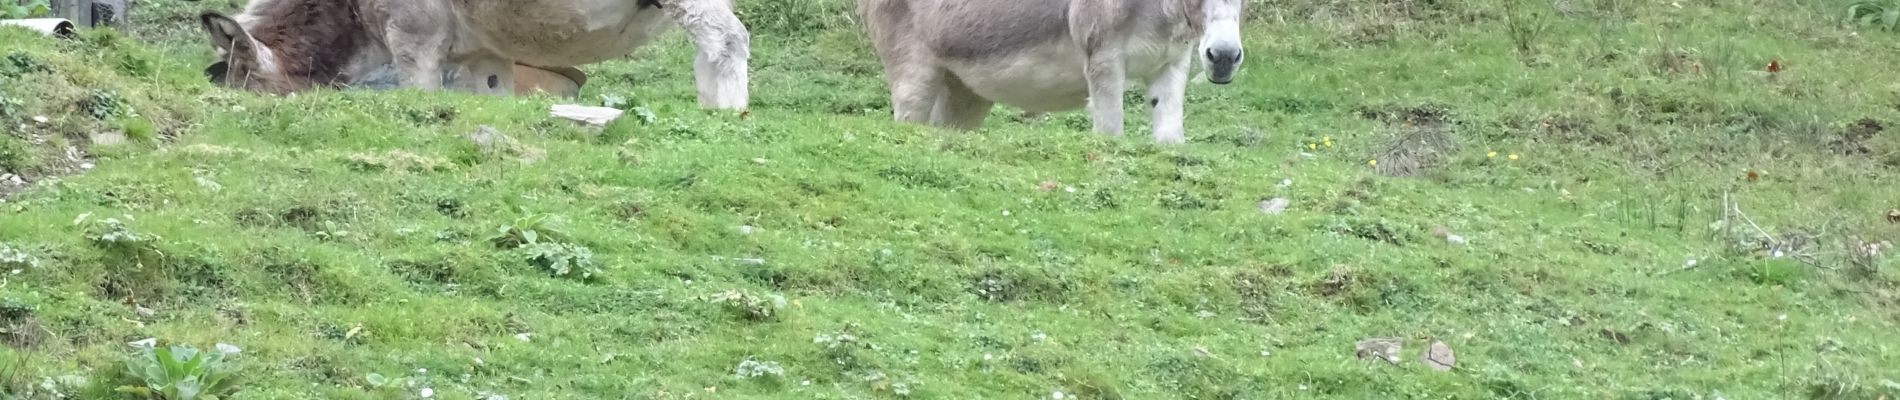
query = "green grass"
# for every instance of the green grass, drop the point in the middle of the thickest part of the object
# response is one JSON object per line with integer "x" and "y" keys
{"x": 358, "y": 245}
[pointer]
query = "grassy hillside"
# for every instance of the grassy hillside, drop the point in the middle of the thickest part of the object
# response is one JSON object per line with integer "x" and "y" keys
{"x": 1585, "y": 199}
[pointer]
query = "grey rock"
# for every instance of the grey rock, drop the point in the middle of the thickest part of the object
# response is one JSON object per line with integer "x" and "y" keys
{"x": 1275, "y": 206}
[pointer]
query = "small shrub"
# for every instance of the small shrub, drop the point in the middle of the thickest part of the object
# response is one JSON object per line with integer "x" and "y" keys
{"x": 561, "y": 259}
{"x": 10, "y": 108}
{"x": 396, "y": 160}
{"x": 116, "y": 237}
{"x": 1375, "y": 229}
{"x": 139, "y": 129}
{"x": 19, "y": 329}
{"x": 68, "y": 386}
{"x": 750, "y": 369}
{"x": 845, "y": 350}
{"x": 12, "y": 309}
{"x": 1525, "y": 32}
{"x": 527, "y": 230}
{"x": 15, "y": 154}
{"x": 182, "y": 372}
{"x": 135, "y": 62}
{"x": 19, "y": 63}
{"x": 111, "y": 231}
{"x": 537, "y": 240}
{"x": 1864, "y": 257}
{"x": 14, "y": 258}
{"x": 1776, "y": 271}
{"x": 1881, "y": 14}
{"x": 750, "y": 306}
{"x": 1183, "y": 200}
{"x": 105, "y": 105}
{"x": 26, "y": 9}
{"x": 18, "y": 383}
{"x": 1005, "y": 285}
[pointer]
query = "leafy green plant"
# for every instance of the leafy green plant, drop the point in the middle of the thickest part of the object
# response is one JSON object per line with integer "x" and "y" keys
{"x": 1526, "y": 31}
{"x": 537, "y": 239}
{"x": 114, "y": 236}
{"x": 10, "y": 107}
{"x": 1777, "y": 271}
{"x": 182, "y": 372}
{"x": 19, "y": 63}
{"x": 105, "y": 105}
{"x": 139, "y": 129}
{"x": 13, "y": 258}
{"x": 561, "y": 259}
{"x": 15, "y": 154}
{"x": 638, "y": 110}
{"x": 527, "y": 230}
{"x": 751, "y": 369}
{"x": 29, "y": 9}
{"x": 749, "y": 305}
{"x": 1883, "y": 14}
{"x": 12, "y": 309}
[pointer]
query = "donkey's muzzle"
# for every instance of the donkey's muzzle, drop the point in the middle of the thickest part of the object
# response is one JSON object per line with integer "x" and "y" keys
{"x": 1221, "y": 64}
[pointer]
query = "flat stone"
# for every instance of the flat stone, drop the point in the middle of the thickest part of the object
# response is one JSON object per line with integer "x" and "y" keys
{"x": 1276, "y": 206}
{"x": 108, "y": 138}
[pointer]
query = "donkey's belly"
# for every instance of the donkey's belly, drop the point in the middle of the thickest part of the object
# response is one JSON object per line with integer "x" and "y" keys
{"x": 1051, "y": 77}
{"x": 1047, "y": 78}
{"x": 557, "y": 32}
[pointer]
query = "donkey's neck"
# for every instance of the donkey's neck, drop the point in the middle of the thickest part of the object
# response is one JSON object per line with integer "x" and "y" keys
{"x": 313, "y": 41}
{"x": 1192, "y": 11}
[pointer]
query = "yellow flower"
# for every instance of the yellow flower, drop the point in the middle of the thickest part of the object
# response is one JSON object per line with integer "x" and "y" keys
{"x": 1310, "y": 146}
{"x": 1374, "y": 163}
{"x": 1327, "y": 141}
{"x": 1492, "y": 155}
{"x": 1513, "y": 157}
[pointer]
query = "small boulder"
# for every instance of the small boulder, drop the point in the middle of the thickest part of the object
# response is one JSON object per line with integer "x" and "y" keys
{"x": 595, "y": 116}
{"x": 108, "y": 138}
{"x": 1452, "y": 238}
{"x": 1383, "y": 349}
{"x": 1275, "y": 206}
{"x": 1439, "y": 357}
{"x": 493, "y": 143}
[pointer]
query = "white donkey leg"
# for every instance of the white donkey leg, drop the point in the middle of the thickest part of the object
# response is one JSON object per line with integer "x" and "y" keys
{"x": 1108, "y": 79}
{"x": 1168, "y": 95}
{"x": 960, "y": 108}
{"x": 916, "y": 93}
{"x": 725, "y": 45}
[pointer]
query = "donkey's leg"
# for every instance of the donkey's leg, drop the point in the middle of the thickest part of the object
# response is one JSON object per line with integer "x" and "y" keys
{"x": 916, "y": 89}
{"x": 1108, "y": 80}
{"x": 1167, "y": 93}
{"x": 961, "y": 108}
{"x": 720, "y": 68}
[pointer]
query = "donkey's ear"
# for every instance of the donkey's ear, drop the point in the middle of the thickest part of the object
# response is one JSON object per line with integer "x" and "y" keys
{"x": 224, "y": 32}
